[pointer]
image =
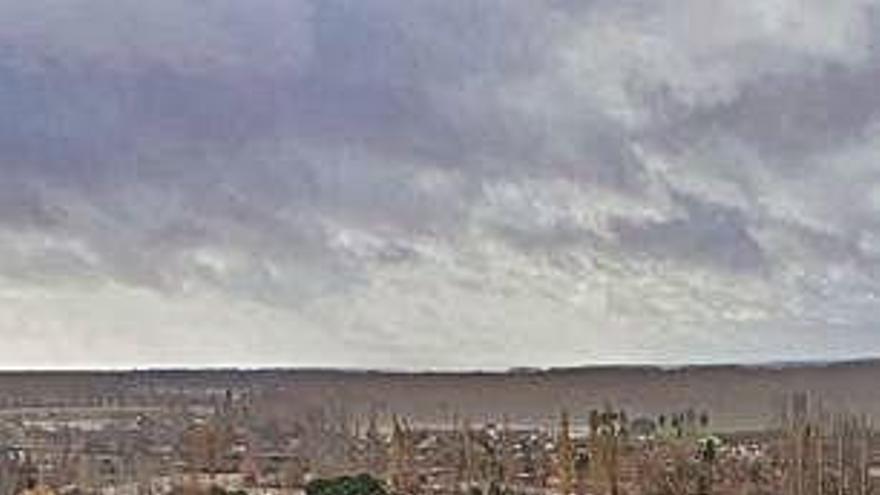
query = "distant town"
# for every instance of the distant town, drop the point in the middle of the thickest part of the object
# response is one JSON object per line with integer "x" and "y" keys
{"x": 785, "y": 430}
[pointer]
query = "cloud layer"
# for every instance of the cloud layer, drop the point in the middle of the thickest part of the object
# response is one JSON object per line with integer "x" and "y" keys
{"x": 432, "y": 184}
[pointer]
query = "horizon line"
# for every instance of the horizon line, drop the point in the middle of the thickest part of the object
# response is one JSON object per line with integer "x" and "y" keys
{"x": 771, "y": 364}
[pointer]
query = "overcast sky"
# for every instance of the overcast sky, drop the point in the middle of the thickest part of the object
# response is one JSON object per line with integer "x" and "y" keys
{"x": 438, "y": 184}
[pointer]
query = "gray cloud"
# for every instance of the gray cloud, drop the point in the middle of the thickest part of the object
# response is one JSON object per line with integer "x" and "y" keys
{"x": 707, "y": 233}
{"x": 471, "y": 175}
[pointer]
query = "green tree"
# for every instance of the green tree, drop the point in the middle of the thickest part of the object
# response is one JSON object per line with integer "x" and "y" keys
{"x": 362, "y": 484}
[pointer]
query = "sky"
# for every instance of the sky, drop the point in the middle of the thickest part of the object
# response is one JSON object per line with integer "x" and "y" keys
{"x": 423, "y": 184}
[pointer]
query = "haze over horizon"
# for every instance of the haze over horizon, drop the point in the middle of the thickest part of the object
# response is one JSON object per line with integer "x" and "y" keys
{"x": 413, "y": 184}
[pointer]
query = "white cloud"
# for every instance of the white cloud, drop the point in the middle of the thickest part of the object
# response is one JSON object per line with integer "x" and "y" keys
{"x": 119, "y": 326}
{"x": 703, "y": 53}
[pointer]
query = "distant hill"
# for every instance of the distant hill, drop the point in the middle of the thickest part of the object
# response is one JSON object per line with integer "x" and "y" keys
{"x": 737, "y": 397}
